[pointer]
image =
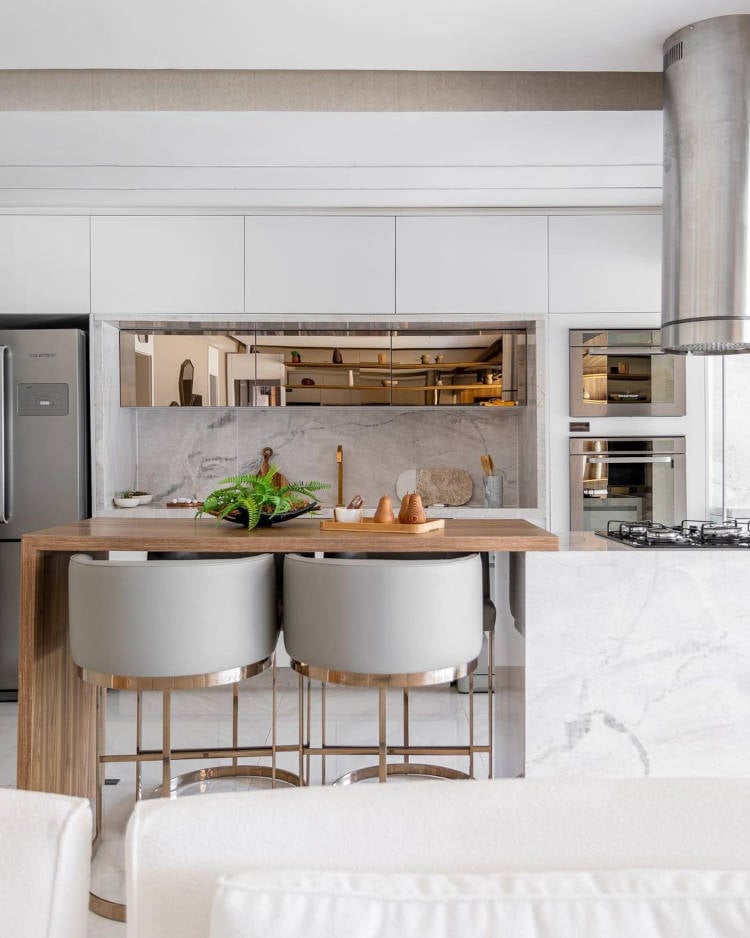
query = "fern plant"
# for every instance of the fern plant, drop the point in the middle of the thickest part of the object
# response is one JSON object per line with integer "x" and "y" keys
{"x": 258, "y": 495}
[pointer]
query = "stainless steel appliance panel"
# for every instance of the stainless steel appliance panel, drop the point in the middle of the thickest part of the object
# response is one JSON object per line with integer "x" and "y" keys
{"x": 43, "y": 456}
{"x": 626, "y": 478}
{"x": 10, "y": 574}
{"x": 46, "y": 429}
{"x": 624, "y": 373}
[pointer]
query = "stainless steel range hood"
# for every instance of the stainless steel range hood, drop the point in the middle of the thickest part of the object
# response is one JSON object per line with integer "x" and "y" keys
{"x": 706, "y": 267}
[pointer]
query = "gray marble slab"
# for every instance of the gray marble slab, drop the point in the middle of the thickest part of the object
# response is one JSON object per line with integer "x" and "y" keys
{"x": 186, "y": 451}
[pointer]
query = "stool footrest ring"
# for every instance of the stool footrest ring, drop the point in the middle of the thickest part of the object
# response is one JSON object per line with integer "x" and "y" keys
{"x": 281, "y": 777}
{"x": 415, "y": 769}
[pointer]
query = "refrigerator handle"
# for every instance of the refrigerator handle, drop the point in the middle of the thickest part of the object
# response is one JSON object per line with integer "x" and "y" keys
{"x": 5, "y": 436}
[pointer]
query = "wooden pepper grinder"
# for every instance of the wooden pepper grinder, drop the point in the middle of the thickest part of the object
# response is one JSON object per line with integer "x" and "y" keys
{"x": 402, "y": 512}
{"x": 415, "y": 510}
{"x": 384, "y": 513}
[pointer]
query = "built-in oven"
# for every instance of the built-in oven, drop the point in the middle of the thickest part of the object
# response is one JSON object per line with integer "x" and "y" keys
{"x": 626, "y": 479}
{"x": 624, "y": 373}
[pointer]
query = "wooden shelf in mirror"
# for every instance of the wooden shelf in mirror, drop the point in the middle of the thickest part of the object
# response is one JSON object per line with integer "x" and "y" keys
{"x": 378, "y": 364}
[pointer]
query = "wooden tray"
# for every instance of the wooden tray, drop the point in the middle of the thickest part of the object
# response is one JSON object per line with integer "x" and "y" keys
{"x": 370, "y": 526}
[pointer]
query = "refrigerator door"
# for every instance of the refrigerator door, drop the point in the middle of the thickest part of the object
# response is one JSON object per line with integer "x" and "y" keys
{"x": 10, "y": 571}
{"x": 6, "y": 415}
{"x": 46, "y": 440}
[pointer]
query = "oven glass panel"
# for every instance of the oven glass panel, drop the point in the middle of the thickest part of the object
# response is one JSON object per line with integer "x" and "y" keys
{"x": 622, "y": 372}
{"x": 614, "y": 378}
{"x": 627, "y": 491}
{"x": 626, "y": 479}
{"x": 618, "y": 378}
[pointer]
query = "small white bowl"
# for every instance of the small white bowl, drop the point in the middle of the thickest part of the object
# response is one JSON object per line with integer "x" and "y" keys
{"x": 350, "y": 515}
{"x": 127, "y": 502}
{"x": 144, "y": 499}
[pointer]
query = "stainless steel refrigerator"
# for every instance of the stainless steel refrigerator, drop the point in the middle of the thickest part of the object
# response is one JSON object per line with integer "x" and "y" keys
{"x": 43, "y": 457}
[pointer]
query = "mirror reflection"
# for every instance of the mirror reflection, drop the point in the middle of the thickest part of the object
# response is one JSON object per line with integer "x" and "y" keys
{"x": 286, "y": 366}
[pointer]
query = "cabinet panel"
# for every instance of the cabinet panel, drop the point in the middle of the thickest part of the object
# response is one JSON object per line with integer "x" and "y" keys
{"x": 605, "y": 263}
{"x": 44, "y": 264}
{"x": 309, "y": 266}
{"x": 175, "y": 264}
{"x": 471, "y": 265}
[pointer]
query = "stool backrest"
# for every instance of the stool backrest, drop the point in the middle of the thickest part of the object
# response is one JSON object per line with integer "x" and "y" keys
{"x": 383, "y": 616}
{"x": 171, "y": 618}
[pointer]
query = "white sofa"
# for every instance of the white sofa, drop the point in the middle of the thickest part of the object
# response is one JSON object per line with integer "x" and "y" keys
{"x": 571, "y": 857}
{"x": 45, "y": 863}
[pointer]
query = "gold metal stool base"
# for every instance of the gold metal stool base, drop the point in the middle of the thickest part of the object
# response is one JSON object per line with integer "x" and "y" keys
{"x": 116, "y": 911}
{"x": 106, "y": 908}
{"x": 404, "y": 769}
{"x": 278, "y": 779}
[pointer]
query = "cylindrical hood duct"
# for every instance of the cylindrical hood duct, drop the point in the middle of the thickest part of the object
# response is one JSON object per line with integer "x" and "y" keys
{"x": 706, "y": 267}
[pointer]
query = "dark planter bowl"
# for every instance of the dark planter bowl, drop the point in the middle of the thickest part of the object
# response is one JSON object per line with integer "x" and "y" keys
{"x": 239, "y": 515}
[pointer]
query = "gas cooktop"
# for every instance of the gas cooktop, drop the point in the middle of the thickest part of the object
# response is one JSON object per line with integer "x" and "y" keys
{"x": 735, "y": 533}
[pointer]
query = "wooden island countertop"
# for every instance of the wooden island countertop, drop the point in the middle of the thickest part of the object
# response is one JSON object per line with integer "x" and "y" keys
{"x": 57, "y": 711}
{"x": 302, "y": 534}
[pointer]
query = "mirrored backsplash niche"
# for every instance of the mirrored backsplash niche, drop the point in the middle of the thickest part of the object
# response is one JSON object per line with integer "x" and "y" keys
{"x": 185, "y": 452}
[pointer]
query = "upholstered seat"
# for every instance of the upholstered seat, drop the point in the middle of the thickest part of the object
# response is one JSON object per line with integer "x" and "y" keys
{"x": 169, "y": 625}
{"x": 384, "y": 623}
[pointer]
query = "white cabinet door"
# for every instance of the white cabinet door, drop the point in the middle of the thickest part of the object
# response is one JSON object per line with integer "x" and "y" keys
{"x": 605, "y": 263}
{"x": 319, "y": 266}
{"x": 166, "y": 264}
{"x": 44, "y": 264}
{"x": 471, "y": 265}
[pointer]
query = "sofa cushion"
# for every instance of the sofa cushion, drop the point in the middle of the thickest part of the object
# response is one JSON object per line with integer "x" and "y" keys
{"x": 564, "y": 904}
{"x": 178, "y": 848}
{"x": 45, "y": 862}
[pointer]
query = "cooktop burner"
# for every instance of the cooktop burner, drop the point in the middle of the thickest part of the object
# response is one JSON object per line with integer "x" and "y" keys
{"x": 735, "y": 533}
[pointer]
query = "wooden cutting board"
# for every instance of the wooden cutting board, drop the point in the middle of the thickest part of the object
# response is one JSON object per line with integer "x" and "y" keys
{"x": 370, "y": 526}
{"x": 437, "y": 486}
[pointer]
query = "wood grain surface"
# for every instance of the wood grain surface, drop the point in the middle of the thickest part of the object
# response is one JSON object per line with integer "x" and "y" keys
{"x": 303, "y": 534}
{"x": 57, "y": 711}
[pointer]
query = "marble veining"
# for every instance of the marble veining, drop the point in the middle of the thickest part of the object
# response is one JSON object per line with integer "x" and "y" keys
{"x": 637, "y": 663}
{"x": 186, "y": 452}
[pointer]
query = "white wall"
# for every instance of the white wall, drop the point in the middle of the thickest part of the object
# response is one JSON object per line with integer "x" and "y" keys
{"x": 294, "y": 160}
{"x": 729, "y": 434}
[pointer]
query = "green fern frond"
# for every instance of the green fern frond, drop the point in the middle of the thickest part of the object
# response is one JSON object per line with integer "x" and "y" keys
{"x": 257, "y": 495}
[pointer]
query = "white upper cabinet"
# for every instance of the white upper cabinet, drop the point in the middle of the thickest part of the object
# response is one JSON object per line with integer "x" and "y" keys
{"x": 605, "y": 263}
{"x": 319, "y": 266}
{"x": 44, "y": 264}
{"x": 166, "y": 264}
{"x": 471, "y": 265}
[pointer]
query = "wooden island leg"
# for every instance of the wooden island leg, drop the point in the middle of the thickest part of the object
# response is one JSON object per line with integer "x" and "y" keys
{"x": 56, "y": 710}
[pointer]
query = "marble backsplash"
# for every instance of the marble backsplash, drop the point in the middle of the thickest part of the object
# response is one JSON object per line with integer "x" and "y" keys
{"x": 184, "y": 452}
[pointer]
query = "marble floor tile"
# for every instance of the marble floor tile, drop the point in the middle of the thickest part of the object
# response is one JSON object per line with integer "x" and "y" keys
{"x": 438, "y": 715}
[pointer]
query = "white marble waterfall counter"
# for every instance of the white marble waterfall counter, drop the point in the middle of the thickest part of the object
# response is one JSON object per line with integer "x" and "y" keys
{"x": 637, "y": 660}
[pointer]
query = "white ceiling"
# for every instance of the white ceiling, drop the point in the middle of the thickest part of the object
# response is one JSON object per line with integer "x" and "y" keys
{"x": 581, "y": 35}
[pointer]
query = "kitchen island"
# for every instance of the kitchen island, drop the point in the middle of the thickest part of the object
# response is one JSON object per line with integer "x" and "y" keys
{"x": 637, "y": 660}
{"x": 56, "y": 710}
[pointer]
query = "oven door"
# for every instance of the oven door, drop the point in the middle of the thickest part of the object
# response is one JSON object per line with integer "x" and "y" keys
{"x": 624, "y": 373}
{"x": 626, "y": 480}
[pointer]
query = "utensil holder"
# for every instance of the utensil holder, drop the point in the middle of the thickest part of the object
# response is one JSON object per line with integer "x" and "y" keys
{"x": 493, "y": 491}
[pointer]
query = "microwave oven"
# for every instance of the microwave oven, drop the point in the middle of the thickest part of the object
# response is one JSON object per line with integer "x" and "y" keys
{"x": 624, "y": 373}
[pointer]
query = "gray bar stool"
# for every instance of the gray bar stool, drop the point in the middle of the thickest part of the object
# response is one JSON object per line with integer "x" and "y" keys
{"x": 383, "y": 623}
{"x": 173, "y": 625}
